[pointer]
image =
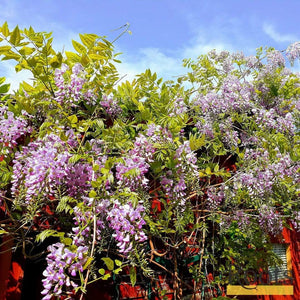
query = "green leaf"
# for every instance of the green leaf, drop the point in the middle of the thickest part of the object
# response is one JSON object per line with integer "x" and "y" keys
{"x": 96, "y": 167}
{"x": 101, "y": 271}
{"x": 4, "y": 49}
{"x": 11, "y": 55}
{"x": 4, "y": 88}
{"x": 67, "y": 241}
{"x": 5, "y": 30}
{"x": 15, "y": 37}
{"x": 88, "y": 39}
{"x": 118, "y": 263}
{"x": 117, "y": 271}
{"x": 106, "y": 276}
{"x": 109, "y": 263}
{"x": 47, "y": 233}
{"x": 96, "y": 56}
{"x": 73, "y": 119}
{"x": 79, "y": 47}
{"x": 3, "y": 231}
{"x": 26, "y": 50}
{"x": 75, "y": 158}
{"x": 132, "y": 273}
{"x": 92, "y": 194}
{"x": 88, "y": 262}
{"x": 72, "y": 57}
{"x": 55, "y": 62}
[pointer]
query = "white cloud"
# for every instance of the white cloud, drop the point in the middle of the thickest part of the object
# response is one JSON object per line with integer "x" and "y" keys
{"x": 165, "y": 66}
{"x": 278, "y": 37}
{"x": 169, "y": 66}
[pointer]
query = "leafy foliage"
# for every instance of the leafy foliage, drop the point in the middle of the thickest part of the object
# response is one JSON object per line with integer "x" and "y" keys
{"x": 191, "y": 178}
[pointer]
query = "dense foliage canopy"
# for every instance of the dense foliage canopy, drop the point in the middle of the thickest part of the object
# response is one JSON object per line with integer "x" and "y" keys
{"x": 188, "y": 177}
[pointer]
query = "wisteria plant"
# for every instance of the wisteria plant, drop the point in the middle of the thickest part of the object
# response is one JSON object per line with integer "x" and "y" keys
{"x": 185, "y": 177}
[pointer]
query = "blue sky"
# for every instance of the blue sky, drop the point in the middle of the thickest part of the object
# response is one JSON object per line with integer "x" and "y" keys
{"x": 163, "y": 31}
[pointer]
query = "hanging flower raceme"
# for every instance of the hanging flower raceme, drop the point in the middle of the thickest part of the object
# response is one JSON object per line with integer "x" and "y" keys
{"x": 12, "y": 128}
{"x": 110, "y": 106}
{"x": 63, "y": 265}
{"x": 269, "y": 220}
{"x": 175, "y": 183}
{"x": 70, "y": 91}
{"x": 127, "y": 222}
{"x": 43, "y": 167}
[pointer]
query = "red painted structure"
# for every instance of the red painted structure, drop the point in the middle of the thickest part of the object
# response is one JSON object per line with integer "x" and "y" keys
{"x": 292, "y": 238}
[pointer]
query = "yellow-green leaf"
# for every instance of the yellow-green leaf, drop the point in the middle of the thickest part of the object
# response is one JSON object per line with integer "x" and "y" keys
{"x": 4, "y": 49}
{"x": 101, "y": 271}
{"x": 79, "y": 47}
{"x": 88, "y": 39}
{"x": 15, "y": 37}
{"x": 118, "y": 263}
{"x": 96, "y": 56}
{"x": 5, "y": 30}
{"x": 11, "y": 55}
{"x": 92, "y": 194}
{"x": 72, "y": 57}
{"x": 109, "y": 263}
{"x": 26, "y": 50}
{"x": 88, "y": 262}
{"x": 73, "y": 119}
{"x": 132, "y": 273}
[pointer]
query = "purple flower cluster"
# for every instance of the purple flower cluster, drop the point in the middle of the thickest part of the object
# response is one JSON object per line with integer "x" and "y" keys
{"x": 230, "y": 137}
{"x": 40, "y": 167}
{"x": 215, "y": 197}
{"x": 174, "y": 184}
{"x": 232, "y": 97}
{"x": 178, "y": 107}
{"x": 269, "y": 220}
{"x": 205, "y": 126}
{"x": 71, "y": 91}
{"x": 265, "y": 172}
{"x": 242, "y": 219}
{"x": 62, "y": 263}
{"x": 127, "y": 222}
{"x": 11, "y": 129}
{"x": 293, "y": 52}
{"x": 110, "y": 106}
{"x": 271, "y": 120}
{"x": 78, "y": 178}
{"x": 143, "y": 147}
{"x": 295, "y": 220}
{"x": 132, "y": 172}
{"x": 275, "y": 59}
{"x": 43, "y": 166}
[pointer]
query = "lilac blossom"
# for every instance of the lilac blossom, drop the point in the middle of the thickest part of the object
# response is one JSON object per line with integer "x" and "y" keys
{"x": 62, "y": 263}
{"x": 293, "y": 52}
{"x": 295, "y": 221}
{"x": 11, "y": 129}
{"x": 174, "y": 184}
{"x": 71, "y": 91}
{"x": 215, "y": 197}
{"x": 269, "y": 220}
{"x": 275, "y": 58}
{"x": 43, "y": 166}
{"x": 132, "y": 172}
{"x": 127, "y": 222}
{"x": 143, "y": 147}
{"x": 178, "y": 107}
{"x": 110, "y": 106}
